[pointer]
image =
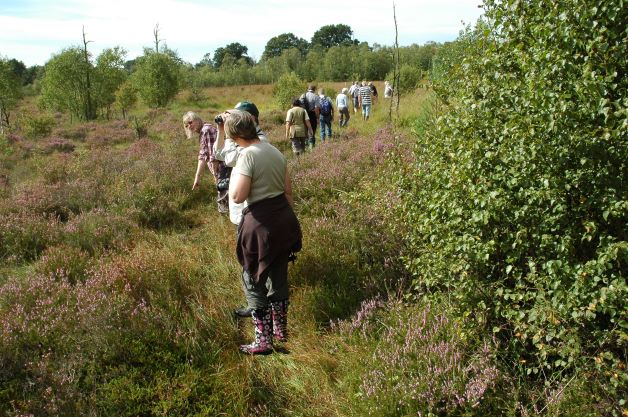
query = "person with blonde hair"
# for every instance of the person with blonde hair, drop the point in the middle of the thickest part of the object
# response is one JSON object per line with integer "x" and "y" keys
{"x": 194, "y": 126}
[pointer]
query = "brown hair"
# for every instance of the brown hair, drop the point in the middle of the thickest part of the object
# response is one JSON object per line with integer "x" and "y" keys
{"x": 241, "y": 124}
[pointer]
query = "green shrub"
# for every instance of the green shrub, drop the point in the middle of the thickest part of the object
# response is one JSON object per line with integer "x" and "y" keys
{"x": 409, "y": 78}
{"x": 515, "y": 200}
{"x": 38, "y": 126}
{"x": 288, "y": 87}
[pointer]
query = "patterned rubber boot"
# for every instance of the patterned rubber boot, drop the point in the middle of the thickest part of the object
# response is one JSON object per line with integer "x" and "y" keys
{"x": 280, "y": 320}
{"x": 263, "y": 323}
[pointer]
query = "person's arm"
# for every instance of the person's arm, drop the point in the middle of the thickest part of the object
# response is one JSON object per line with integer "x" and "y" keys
{"x": 199, "y": 172}
{"x": 332, "y": 108}
{"x": 288, "y": 124}
{"x": 288, "y": 187}
{"x": 220, "y": 139}
{"x": 241, "y": 188}
{"x": 224, "y": 149}
{"x": 310, "y": 132}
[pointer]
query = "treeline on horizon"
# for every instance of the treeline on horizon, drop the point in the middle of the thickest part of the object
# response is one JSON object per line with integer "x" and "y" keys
{"x": 75, "y": 81}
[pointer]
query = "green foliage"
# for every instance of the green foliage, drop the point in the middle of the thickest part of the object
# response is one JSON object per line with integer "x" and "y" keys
{"x": 10, "y": 91}
{"x": 332, "y": 35}
{"x": 516, "y": 200}
{"x": 156, "y": 78}
{"x": 288, "y": 87}
{"x": 65, "y": 86}
{"x": 231, "y": 53}
{"x": 409, "y": 78}
{"x": 109, "y": 76}
{"x": 278, "y": 44}
{"x": 71, "y": 83}
{"x": 126, "y": 97}
{"x": 38, "y": 126}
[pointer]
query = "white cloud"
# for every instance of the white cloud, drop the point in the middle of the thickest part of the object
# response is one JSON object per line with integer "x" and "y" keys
{"x": 33, "y": 31}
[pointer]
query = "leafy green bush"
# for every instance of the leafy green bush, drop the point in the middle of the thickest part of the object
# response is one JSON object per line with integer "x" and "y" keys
{"x": 409, "y": 78}
{"x": 516, "y": 201}
{"x": 156, "y": 78}
{"x": 288, "y": 87}
{"x": 38, "y": 126}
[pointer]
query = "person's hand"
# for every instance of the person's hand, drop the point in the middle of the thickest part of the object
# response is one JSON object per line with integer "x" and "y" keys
{"x": 195, "y": 185}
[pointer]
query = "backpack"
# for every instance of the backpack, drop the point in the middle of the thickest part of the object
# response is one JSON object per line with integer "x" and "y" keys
{"x": 325, "y": 107}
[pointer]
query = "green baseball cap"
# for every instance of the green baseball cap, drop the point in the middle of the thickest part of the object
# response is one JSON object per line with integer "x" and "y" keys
{"x": 248, "y": 107}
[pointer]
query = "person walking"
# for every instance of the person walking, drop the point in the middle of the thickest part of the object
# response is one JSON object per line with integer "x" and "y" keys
{"x": 388, "y": 90}
{"x": 269, "y": 233}
{"x": 342, "y": 103}
{"x": 298, "y": 127}
{"x": 355, "y": 96}
{"x": 373, "y": 92}
{"x": 311, "y": 103}
{"x": 365, "y": 100}
{"x": 326, "y": 115}
{"x": 194, "y": 126}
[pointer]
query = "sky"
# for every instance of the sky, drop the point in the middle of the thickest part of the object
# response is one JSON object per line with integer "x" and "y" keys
{"x": 32, "y": 31}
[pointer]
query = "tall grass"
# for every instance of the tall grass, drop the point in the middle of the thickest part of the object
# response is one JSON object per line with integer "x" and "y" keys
{"x": 118, "y": 283}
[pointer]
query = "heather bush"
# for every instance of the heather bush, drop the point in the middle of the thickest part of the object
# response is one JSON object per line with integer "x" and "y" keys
{"x": 111, "y": 133}
{"x": 24, "y": 235}
{"x": 416, "y": 360}
{"x": 99, "y": 231}
{"x": 319, "y": 183}
{"x": 61, "y": 200}
{"x": 58, "y": 145}
{"x": 77, "y": 133}
{"x": 515, "y": 200}
{"x": 130, "y": 338}
{"x": 64, "y": 262}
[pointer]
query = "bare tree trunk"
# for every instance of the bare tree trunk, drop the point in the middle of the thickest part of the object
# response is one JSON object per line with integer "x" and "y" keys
{"x": 89, "y": 108}
{"x": 156, "y": 34}
{"x": 397, "y": 76}
{"x": 396, "y": 70}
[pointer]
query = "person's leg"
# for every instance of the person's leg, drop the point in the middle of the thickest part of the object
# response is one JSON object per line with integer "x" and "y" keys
{"x": 256, "y": 296}
{"x": 298, "y": 145}
{"x": 322, "y": 130}
{"x": 222, "y": 199}
{"x": 278, "y": 275}
{"x": 313, "y": 121}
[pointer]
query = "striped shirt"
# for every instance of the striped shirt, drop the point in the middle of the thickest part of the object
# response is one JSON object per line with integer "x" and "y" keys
{"x": 365, "y": 95}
